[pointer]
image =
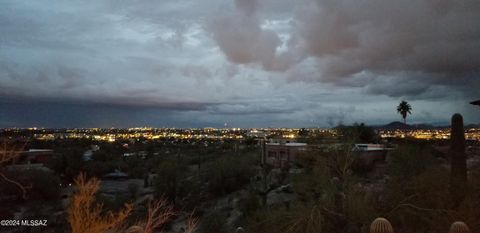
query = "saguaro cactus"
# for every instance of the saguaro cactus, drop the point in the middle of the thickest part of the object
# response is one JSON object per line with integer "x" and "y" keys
{"x": 458, "y": 160}
{"x": 381, "y": 225}
{"x": 459, "y": 227}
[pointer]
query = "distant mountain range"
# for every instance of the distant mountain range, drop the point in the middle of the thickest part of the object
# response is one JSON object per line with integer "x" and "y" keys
{"x": 401, "y": 125}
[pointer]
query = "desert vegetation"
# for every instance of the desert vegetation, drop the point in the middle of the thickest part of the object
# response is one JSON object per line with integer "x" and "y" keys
{"x": 225, "y": 186}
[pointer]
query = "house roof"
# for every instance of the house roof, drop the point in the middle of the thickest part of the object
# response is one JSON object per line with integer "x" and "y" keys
{"x": 286, "y": 144}
{"x": 116, "y": 174}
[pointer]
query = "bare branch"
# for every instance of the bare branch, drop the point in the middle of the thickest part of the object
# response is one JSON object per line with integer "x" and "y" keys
{"x": 192, "y": 223}
{"x": 20, "y": 186}
{"x": 159, "y": 213}
{"x": 7, "y": 154}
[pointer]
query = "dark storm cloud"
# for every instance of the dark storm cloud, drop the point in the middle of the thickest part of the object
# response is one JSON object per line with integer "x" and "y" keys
{"x": 437, "y": 39}
{"x": 267, "y": 107}
{"x": 428, "y": 42}
{"x": 22, "y": 111}
{"x": 245, "y": 62}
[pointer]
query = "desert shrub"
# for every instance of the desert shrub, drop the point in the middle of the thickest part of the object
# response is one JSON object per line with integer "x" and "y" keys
{"x": 328, "y": 183}
{"x": 98, "y": 168}
{"x": 112, "y": 202}
{"x": 300, "y": 218}
{"x": 357, "y": 133}
{"x": 86, "y": 213}
{"x": 409, "y": 161}
{"x": 419, "y": 203}
{"x": 214, "y": 222}
{"x": 170, "y": 173}
{"x": 229, "y": 173}
{"x": 135, "y": 167}
{"x": 41, "y": 185}
{"x": 249, "y": 204}
{"x": 132, "y": 190}
{"x": 72, "y": 163}
{"x": 100, "y": 156}
{"x": 324, "y": 173}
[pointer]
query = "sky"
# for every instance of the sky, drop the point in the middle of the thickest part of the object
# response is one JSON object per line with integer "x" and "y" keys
{"x": 246, "y": 63}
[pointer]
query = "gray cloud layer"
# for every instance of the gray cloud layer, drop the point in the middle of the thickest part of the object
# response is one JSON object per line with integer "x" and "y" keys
{"x": 240, "y": 36}
{"x": 427, "y": 42}
{"x": 271, "y": 62}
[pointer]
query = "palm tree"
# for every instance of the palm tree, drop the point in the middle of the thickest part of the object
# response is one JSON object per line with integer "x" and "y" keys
{"x": 404, "y": 109}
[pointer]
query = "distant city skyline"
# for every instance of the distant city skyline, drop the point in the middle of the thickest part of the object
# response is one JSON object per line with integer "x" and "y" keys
{"x": 247, "y": 63}
{"x": 87, "y": 115}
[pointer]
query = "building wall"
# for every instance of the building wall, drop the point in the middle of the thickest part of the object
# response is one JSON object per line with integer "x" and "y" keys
{"x": 284, "y": 155}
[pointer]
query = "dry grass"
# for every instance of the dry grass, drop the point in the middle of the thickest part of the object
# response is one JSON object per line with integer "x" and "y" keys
{"x": 85, "y": 216}
{"x": 192, "y": 223}
{"x": 159, "y": 213}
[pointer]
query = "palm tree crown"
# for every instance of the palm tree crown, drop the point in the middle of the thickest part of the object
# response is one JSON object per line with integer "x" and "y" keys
{"x": 404, "y": 109}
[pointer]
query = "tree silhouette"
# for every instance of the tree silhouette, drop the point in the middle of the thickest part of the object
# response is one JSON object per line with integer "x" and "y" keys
{"x": 403, "y": 109}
